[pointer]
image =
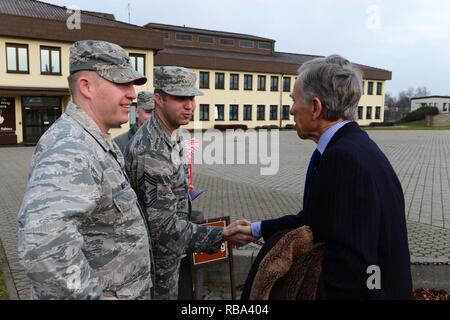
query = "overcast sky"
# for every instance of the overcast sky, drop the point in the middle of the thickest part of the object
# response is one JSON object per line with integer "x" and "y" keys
{"x": 409, "y": 37}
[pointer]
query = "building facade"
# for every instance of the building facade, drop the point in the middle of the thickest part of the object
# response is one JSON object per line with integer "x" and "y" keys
{"x": 246, "y": 81}
{"x": 440, "y": 102}
{"x": 35, "y": 40}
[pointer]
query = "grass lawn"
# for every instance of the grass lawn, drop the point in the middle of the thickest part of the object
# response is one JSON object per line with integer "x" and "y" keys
{"x": 415, "y": 125}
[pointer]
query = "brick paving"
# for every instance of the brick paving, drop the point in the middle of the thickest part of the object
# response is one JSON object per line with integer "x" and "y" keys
{"x": 420, "y": 158}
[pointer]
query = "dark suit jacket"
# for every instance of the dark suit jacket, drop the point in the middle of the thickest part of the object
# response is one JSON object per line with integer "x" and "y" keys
{"x": 356, "y": 207}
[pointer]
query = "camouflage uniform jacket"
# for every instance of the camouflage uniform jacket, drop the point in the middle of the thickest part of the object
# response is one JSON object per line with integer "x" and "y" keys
{"x": 156, "y": 164}
{"x": 80, "y": 230}
{"x": 123, "y": 139}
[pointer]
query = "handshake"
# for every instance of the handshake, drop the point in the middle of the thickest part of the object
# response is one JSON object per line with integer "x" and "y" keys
{"x": 239, "y": 233}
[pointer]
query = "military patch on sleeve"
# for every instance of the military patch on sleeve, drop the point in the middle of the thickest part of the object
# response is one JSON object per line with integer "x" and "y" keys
{"x": 147, "y": 191}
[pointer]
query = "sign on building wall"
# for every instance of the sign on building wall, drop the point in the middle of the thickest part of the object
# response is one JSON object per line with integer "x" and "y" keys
{"x": 7, "y": 121}
{"x": 7, "y": 115}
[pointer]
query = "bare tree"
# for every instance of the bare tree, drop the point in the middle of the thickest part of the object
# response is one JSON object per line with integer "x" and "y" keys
{"x": 390, "y": 101}
{"x": 422, "y": 92}
{"x": 404, "y": 97}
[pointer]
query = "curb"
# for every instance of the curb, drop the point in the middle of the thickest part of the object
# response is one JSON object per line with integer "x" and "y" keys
{"x": 7, "y": 276}
{"x": 426, "y": 272}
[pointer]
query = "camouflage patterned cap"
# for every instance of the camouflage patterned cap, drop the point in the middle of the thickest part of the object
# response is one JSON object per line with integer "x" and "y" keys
{"x": 176, "y": 81}
{"x": 145, "y": 100}
{"x": 109, "y": 60}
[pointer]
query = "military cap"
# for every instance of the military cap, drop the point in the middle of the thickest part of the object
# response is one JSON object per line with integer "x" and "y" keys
{"x": 109, "y": 60}
{"x": 176, "y": 81}
{"x": 145, "y": 100}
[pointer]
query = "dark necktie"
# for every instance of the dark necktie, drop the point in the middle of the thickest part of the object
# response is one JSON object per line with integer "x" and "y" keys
{"x": 313, "y": 163}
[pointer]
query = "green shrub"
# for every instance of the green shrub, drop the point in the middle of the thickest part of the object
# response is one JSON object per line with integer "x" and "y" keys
{"x": 381, "y": 124}
{"x": 420, "y": 114}
{"x": 270, "y": 127}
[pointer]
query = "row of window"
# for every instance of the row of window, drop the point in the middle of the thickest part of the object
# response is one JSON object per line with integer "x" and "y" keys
{"x": 204, "y": 79}
{"x": 370, "y": 85}
{"x": 17, "y": 59}
{"x": 243, "y": 43}
{"x": 435, "y": 104}
{"x": 219, "y": 112}
{"x": 248, "y": 82}
{"x": 369, "y": 111}
{"x": 18, "y": 62}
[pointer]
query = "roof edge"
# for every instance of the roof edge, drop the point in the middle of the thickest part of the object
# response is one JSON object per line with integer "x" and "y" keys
{"x": 428, "y": 97}
{"x": 56, "y": 30}
{"x": 207, "y": 31}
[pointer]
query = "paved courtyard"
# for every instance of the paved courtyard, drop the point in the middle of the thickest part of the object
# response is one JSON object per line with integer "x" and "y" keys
{"x": 420, "y": 158}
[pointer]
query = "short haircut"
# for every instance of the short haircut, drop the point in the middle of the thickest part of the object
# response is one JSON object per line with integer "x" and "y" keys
{"x": 336, "y": 82}
{"x": 161, "y": 93}
{"x": 73, "y": 79}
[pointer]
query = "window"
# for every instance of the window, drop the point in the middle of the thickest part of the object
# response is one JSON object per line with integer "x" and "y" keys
{"x": 248, "y": 82}
{"x": 226, "y": 42}
{"x": 50, "y": 60}
{"x": 265, "y": 45}
{"x": 261, "y": 83}
{"x": 273, "y": 83}
{"x": 220, "y": 80}
{"x": 183, "y": 37}
{"x": 132, "y": 114}
{"x": 234, "y": 81}
{"x": 370, "y": 88}
{"x": 444, "y": 107}
{"x": 379, "y": 88}
{"x": 220, "y": 112}
{"x": 363, "y": 87}
{"x": 360, "y": 113}
{"x": 273, "y": 112}
{"x": 285, "y": 112}
{"x": 378, "y": 113}
{"x": 204, "y": 112}
{"x": 205, "y": 39}
{"x": 246, "y": 43}
{"x": 287, "y": 84}
{"x": 369, "y": 113}
{"x": 17, "y": 58}
{"x": 138, "y": 62}
{"x": 166, "y": 35}
{"x": 234, "y": 112}
{"x": 247, "y": 112}
{"x": 261, "y": 112}
{"x": 204, "y": 80}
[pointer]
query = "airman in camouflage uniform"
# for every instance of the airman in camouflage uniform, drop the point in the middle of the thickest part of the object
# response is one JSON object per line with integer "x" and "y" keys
{"x": 156, "y": 163}
{"x": 81, "y": 232}
{"x": 144, "y": 110}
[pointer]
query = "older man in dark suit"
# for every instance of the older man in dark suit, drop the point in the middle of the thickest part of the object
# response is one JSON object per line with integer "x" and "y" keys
{"x": 353, "y": 200}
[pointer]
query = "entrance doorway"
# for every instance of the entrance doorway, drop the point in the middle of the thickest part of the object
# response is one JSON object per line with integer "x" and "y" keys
{"x": 38, "y": 114}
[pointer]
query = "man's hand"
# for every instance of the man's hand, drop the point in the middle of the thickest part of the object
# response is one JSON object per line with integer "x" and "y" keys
{"x": 239, "y": 233}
